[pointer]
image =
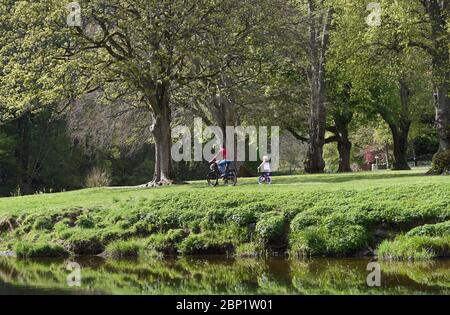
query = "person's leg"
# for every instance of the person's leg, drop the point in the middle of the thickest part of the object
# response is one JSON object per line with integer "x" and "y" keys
{"x": 221, "y": 165}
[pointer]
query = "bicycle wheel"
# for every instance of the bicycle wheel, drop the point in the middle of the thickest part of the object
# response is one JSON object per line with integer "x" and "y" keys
{"x": 212, "y": 178}
{"x": 269, "y": 180}
{"x": 231, "y": 179}
{"x": 261, "y": 179}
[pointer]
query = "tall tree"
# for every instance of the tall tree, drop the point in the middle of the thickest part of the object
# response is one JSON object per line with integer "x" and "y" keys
{"x": 436, "y": 42}
{"x": 146, "y": 50}
{"x": 319, "y": 23}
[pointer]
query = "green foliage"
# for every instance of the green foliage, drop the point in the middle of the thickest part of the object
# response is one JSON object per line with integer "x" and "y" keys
{"x": 250, "y": 250}
{"x": 207, "y": 243}
{"x": 331, "y": 215}
{"x": 407, "y": 247}
{"x": 225, "y": 276}
{"x": 166, "y": 244}
{"x": 441, "y": 162}
{"x": 270, "y": 226}
{"x": 98, "y": 178}
{"x": 44, "y": 222}
{"x": 84, "y": 243}
{"x": 432, "y": 230}
{"x": 24, "y": 249}
{"x": 122, "y": 249}
{"x": 331, "y": 157}
{"x": 337, "y": 240}
{"x": 84, "y": 221}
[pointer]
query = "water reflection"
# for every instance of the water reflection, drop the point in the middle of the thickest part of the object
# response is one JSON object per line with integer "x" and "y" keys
{"x": 219, "y": 275}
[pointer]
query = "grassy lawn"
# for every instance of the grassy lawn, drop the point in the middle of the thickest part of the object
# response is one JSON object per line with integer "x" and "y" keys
{"x": 404, "y": 214}
{"x": 106, "y": 197}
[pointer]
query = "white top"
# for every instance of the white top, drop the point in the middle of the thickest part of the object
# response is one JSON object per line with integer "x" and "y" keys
{"x": 265, "y": 166}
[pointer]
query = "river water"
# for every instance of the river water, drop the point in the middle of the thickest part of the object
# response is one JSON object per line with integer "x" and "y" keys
{"x": 219, "y": 275}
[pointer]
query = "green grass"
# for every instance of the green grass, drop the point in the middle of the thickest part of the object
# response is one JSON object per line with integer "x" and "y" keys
{"x": 310, "y": 215}
{"x": 122, "y": 249}
{"x": 415, "y": 248}
{"x": 106, "y": 197}
{"x": 40, "y": 249}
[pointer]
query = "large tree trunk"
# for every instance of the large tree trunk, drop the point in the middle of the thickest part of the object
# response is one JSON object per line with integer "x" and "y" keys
{"x": 344, "y": 148}
{"x": 225, "y": 114}
{"x": 162, "y": 134}
{"x": 342, "y": 119}
{"x": 439, "y": 12}
{"x": 314, "y": 162}
{"x": 400, "y": 130}
{"x": 23, "y": 152}
{"x": 442, "y": 104}
{"x": 163, "y": 142}
{"x": 400, "y": 139}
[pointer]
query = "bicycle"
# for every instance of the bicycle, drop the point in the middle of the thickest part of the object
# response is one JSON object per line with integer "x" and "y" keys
{"x": 228, "y": 176}
{"x": 264, "y": 177}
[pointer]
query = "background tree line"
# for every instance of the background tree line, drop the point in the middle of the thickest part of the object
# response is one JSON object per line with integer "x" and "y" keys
{"x": 76, "y": 101}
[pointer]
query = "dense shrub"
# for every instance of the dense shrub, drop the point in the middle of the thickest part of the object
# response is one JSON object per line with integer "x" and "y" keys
{"x": 309, "y": 217}
{"x": 39, "y": 249}
{"x": 167, "y": 243}
{"x": 121, "y": 249}
{"x": 311, "y": 241}
{"x": 441, "y": 162}
{"x": 84, "y": 221}
{"x": 434, "y": 230}
{"x": 270, "y": 226}
{"x": 98, "y": 177}
{"x": 328, "y": 240}
{"x": 142, "y": 229}
{"x": 43, "y": 223}
{"x": 85, "y": 244}
{"x": 197, "y": 244}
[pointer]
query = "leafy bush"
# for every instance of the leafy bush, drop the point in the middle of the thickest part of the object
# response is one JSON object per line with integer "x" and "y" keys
{"x": 197, "y": 244}
{"x": 142, "y": 229}
{"x": 441, "y": 162}
{"x": 270, "y": 226}
{"x": 98, "y": 177}
{"x": 85, "y": 243}
{"x": 311, "y": 241}
{"x": 62, "y": 225}
{"x": 434, "y": 230}
{"x": 309, "y": 217}
{"x": 166, "y": 244}
{"x": 84, "y": 221}
{"x": 121, "y": 249}
{"x": 346, "y": 239}
{"x": 328, "y": 240}
{"x": 215, "y": 216}
{"x": 43, "y": 223}
{"x": 39, "y": 249}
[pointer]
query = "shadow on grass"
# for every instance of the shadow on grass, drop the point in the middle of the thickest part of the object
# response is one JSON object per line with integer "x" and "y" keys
{"x": 326, "y": 178}
{"x": 336, "y": 178}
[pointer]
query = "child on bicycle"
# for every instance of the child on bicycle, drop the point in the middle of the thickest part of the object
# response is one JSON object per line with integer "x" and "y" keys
{"x": 264, "y": 167}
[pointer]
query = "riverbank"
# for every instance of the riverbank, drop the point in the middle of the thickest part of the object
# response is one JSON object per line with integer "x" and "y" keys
{"x": 398, "y": 215}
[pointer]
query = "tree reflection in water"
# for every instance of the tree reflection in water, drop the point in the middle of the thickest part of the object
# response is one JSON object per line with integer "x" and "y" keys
{"x": 220, "y": 275}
